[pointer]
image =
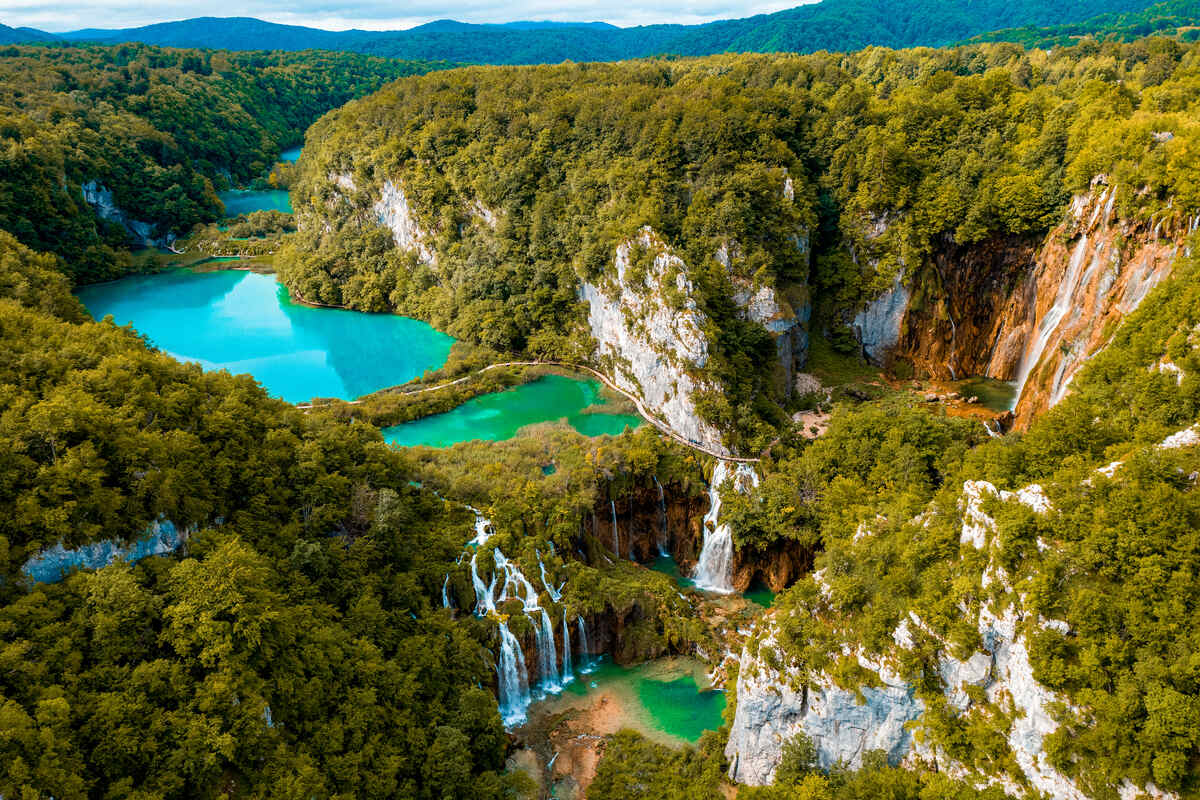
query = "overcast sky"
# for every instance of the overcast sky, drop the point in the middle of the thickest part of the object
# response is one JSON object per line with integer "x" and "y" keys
{"x": 65, "y": 15}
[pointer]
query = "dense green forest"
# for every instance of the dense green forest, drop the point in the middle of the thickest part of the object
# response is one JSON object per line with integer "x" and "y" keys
{"x": 160, "y": 129}
{"x": 1170, "y": 18}
{"x": 835, "y": 25}
{"x": 297, "y": 645}
{"x": 891, "y": 154}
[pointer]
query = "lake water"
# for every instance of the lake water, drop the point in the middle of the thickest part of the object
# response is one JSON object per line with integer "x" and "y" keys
{"x": 666, "y": 700}
{"x": 291, "y": 155}
{"x": 243, "y": 201}
{"x": 994, "y": 395}
{"x": 498, "y": 416}
{"x": 246, "y": 323}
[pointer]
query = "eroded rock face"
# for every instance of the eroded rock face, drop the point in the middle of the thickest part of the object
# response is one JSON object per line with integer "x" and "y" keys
{"x": 651, "y": 336}
{"x": 1092, "y": 270}
{"x": 55, "y": 563}
{"x": 394, "y": 213}
{"x": 774, "y": 703}
{"x": 877, "y": 327}
{"x": 773, "y": 706}
{"x": 100, "y": 198}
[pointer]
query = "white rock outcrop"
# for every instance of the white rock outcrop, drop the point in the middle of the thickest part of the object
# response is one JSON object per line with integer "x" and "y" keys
{"x": 771, "y": 709}
{"x": 394, "y": 212}
{"x": 877, "y": 327}
{"x": 100, "y": 198}
{"x": 654, "y": 350}
{"x": 55, "y": 563}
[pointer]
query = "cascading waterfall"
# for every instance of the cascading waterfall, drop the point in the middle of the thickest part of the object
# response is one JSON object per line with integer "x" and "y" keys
{"x": 616, "y": 539}
{"x": 714, "y": 570}
{"x": 445, "y": 594}
{"x": 511, "y": 677}
{"x": 547, "y": 656}
{"x": 555, "y": 594}
{"x": 585, "y": 649}
{"x": 1062, "y": 303}
{"x": 568, "y": 674}
{"x": 483, "y": 528}
{"x": 509, "y": 583}
{"x": 663, "y": 536}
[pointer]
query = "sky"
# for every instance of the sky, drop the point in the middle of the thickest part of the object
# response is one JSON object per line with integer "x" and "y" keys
{"x": 66, "y": 15}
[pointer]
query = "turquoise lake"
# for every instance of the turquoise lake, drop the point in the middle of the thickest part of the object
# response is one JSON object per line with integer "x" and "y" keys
{"x": 291, "y": 155}
{"x": 665, "y": 700}
{"x": 246, "y": 323}
{"x": 243, "y": 201}
{"x": 498, "y": 416}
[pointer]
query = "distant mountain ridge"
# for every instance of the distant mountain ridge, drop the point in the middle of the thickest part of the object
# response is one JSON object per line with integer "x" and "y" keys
{"x": 839, "y": 25}
{"x": 24, "y": 35}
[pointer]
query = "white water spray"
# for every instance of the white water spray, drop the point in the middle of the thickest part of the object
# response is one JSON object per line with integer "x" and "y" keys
{"x": 664, "y": 537}
{"x": 1046, "y": 328}
{"x": 714, "y": 570}
{"x": 616, "y": 539}
{"x": 511, "y": 678}
{"x": 585, "y": 648}
{"x": 568, "y": 674}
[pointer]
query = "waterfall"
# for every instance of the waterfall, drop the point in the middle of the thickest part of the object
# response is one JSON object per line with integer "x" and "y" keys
{"x": 992, "y": 427}
{"x": 616, "y": 540}
{"x": 483, "y": 528}
{"x": 511, "y": 678}
{"x": 483, "y": 593}
{"x": 568, "y": 674}
{"x": 664, "y": 538}
{"x": 1062, "y": 303}
{"x": 714, "y": 571}
{"x": 445, "y": 595}
{"x": 555, "y": 594}
{"x": 585, "y": 649}
{"x": 547, "y": 656}
{"x": 509, "y": 583}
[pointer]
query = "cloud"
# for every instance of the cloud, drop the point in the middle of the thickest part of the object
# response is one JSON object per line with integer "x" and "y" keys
{"x": 373, "y": 14}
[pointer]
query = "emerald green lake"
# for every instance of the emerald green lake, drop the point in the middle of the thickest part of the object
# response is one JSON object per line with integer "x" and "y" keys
{"x": 498, "y": 416}
{"x": 245, "y": 322}
{"x": 666, "y": 700}
{"x": 243, "y": 201}
{"x": 291, "y": 155}
{"x": 994, "y": 395}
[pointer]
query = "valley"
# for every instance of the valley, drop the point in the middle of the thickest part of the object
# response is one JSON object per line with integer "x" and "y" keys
{"x": 770, "y": 425}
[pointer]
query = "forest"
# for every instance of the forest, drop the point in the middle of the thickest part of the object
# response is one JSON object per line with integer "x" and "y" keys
{"x": 891, "y": 155}
{"x": 834, "y": 25}
{"x": 298, "y": 644}
{"x": 163, "y": 130}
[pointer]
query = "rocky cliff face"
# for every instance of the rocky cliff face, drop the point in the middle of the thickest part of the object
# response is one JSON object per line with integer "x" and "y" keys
{"x": 650, "y": 335}
{"x": 55, "y": 563}
{"x": 1021, "y": 310}
{"x": 1092, "y": 270}
{"x": 143, "y": 234}
{"x": 996, "y": 683}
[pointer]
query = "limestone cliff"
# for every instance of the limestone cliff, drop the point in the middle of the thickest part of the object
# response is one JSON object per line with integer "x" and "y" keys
{"x": 994, "y": 685}
{"x": 143, "y": 234}
{"x": 1019, "y": 309}
{"x": 1091, "y": 271}
{"x": 650, "y": 335}
{"x": 55, "y": 563}
{"x": 785, "y": 315}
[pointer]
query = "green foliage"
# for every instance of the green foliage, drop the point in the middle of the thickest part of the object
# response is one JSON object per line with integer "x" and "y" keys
{"x": 158, "y": 128}
{"x": 836, "y": 25}
{"x": 292, "y": 647}
{"x": 1114, "y": 559}
{"x": 634, "y": 768}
